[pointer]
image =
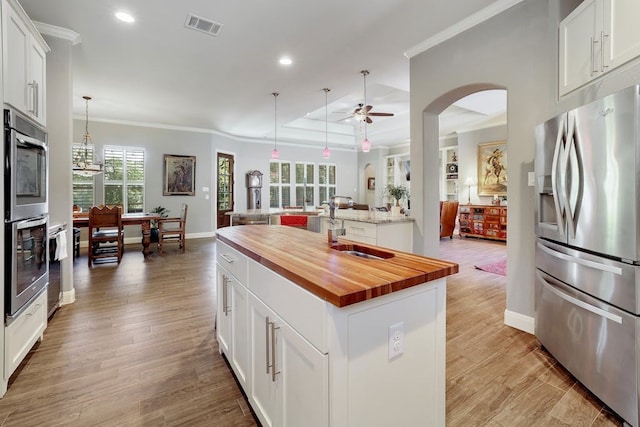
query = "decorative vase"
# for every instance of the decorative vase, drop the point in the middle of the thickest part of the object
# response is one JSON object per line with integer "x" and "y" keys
{"x": 396, "y": 210}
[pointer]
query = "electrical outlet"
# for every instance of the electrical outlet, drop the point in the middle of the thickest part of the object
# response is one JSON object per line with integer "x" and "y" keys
{"x": 396, "y": 340}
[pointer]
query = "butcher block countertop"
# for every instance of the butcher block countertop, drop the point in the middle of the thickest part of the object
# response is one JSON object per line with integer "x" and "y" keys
{"x": 342, "y": 279}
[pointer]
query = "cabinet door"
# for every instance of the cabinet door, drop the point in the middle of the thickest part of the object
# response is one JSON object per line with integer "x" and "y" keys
{"x": 36, "y": 89}
{"x": 16, "y": 40}
{"x": 303, "y": 380}
{"x": 239, "y": 330}
{"x": 262, "y": 391}
{"x": 579, "y": 48}
{"x": 620, "y": 35}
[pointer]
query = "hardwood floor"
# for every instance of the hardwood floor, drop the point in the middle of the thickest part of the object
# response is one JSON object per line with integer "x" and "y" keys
{"x": 497, "y": 375}
{"x": 138, "y": 348}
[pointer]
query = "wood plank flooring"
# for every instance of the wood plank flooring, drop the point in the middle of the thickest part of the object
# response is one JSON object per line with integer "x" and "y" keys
{"x": 138, "y": 348}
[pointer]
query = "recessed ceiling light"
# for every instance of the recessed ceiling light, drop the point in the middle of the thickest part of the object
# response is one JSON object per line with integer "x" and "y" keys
{"x": 125, "y": 17}
{"x": 285, "y": 61}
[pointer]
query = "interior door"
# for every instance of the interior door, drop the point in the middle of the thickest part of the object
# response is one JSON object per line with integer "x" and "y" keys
{"x": 225, "y": 196}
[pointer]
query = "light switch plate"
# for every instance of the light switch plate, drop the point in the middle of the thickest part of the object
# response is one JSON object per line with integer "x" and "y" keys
{"x": 531, "y": 179}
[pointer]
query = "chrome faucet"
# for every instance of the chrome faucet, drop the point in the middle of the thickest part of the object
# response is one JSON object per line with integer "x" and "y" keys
{"x": 333, "y": 232}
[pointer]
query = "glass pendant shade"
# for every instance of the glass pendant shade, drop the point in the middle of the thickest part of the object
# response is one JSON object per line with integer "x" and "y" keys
{"x": 326, "y": 153}
{"x": 275, "y": 155}
{"x": 366, "y": 145}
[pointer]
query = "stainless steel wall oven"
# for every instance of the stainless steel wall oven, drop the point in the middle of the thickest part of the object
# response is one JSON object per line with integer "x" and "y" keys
{"x": 26, "y": 188}
{"x": 25, "y": 168}
{"x": 26, "y": 269}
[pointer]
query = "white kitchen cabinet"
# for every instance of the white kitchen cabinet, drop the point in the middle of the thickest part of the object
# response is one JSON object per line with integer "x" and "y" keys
{"x": 396, "y": 234}
{"x": 598, "y": 36}
{"x": 232, "y": 314}
{"x": 23, "y": 332}
{"x": 314, "y": 364}
{"x": 289, "y": 384}
{"x": 24, "y": 63}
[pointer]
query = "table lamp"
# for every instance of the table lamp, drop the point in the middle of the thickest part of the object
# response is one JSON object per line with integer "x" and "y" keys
{"x": 469, "y": 182}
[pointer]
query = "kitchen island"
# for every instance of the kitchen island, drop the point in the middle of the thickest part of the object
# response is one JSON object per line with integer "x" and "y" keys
{"x": 318, "y": 335}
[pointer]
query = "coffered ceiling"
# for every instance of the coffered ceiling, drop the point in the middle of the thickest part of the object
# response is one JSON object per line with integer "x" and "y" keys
{"x": 158, "y": 71}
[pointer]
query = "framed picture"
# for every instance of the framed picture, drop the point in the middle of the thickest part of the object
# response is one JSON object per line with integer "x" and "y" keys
{"x": 492, "y": 169}
{"x": 179, "y": 175}
{"x": 371, "y": 184}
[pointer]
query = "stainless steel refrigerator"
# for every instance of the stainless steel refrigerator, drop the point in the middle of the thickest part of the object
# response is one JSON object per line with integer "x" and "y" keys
{"x": 587, "y": 304}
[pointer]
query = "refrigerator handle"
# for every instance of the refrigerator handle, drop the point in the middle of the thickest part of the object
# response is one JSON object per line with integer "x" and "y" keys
{"x": 575, "y": 301}
{"x": 567, "y": 172}
{"x": 586, "y": 263}
{"x": 555, "y": 187}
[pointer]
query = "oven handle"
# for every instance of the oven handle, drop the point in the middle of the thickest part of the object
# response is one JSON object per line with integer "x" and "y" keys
{"x": 28, "y": 141}
{"x": 571, "y": 300}
{"x": 29, "y": 223}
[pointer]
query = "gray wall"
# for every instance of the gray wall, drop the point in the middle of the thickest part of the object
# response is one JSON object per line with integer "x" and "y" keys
{"x": 516, "y": 50}
{"x": 248, "y": 156}
{"x": 59, "y": 131}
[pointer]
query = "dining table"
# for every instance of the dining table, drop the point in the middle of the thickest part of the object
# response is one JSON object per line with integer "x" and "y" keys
{"x": 143, "y": 219}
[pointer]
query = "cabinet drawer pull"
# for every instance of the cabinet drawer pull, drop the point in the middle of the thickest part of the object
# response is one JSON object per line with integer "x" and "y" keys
{"x": 227, "y": 258}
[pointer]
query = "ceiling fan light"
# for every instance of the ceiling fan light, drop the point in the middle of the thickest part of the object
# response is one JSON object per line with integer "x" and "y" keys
{"x": 326, "y": 153}
{"x": 275, "y": 155}
{"x": 366, "y": 145}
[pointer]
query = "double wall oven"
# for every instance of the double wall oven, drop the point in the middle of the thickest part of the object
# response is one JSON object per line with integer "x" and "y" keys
{"x": 26, "y": 212}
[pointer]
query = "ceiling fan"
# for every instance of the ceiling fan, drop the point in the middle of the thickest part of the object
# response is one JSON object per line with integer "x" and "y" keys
{"x": 363, "y": 111}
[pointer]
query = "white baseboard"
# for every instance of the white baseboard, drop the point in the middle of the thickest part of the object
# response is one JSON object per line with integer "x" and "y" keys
{"x": 520, "y": 321}
{"x": 68, "y": 297}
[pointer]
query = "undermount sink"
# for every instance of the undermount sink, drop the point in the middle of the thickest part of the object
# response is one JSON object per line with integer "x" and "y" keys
{"x": 362, "y": 251}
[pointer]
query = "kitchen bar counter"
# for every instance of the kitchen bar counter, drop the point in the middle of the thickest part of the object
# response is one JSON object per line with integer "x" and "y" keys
{"x": 306, "y": 259}
{"x": 318, "y": 337}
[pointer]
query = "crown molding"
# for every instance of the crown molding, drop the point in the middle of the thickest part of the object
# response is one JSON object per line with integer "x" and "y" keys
{"x": 59, "y": 32}
{"x": 462, "y": 26}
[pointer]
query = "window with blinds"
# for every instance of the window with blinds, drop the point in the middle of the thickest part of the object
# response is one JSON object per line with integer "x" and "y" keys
{"x": 83, "y": 186}
{"x": 326, "y": 182}
{"x": 124, "y": 178}
{"x": 279, "y": 184}
{"x": 305, "y": 184}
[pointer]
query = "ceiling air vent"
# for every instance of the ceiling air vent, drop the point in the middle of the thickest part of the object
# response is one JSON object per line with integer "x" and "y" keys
{"x": 203, "y": 25}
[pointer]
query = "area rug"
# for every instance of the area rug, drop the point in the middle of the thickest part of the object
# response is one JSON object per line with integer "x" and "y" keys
{"x": 498, "y": 267}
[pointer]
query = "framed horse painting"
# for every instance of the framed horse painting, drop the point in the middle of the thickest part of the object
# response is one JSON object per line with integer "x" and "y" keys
{"x": 492, "y": 169}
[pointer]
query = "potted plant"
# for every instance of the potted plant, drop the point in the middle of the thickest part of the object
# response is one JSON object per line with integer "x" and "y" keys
{"x": 398, "y": 192}
{"x": 164, "y": 213}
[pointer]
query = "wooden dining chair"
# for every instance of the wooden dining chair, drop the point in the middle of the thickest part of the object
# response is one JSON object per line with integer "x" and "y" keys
{"x": 105, "y": 226}
{"x": 173, "y": 229}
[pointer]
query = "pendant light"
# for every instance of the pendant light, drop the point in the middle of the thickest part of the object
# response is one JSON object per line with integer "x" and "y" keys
{"x": 275, "y": 155}
{"x": 326, "y": 153}
{"x": 366, "y": 144}
{"x": 81, "y": 164}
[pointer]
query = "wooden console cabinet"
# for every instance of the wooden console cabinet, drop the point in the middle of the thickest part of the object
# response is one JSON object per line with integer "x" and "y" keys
{"x": 485, "y": 221}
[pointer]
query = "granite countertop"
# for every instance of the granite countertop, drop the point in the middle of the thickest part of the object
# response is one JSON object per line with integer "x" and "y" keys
{"x": 267, "y": 212}
{"x": 342, "y": 279}
{"x": 373, "y": 217}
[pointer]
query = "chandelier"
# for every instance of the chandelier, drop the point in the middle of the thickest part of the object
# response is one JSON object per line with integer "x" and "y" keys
{"x": 83, "y": 163}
